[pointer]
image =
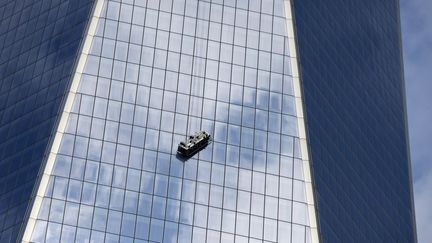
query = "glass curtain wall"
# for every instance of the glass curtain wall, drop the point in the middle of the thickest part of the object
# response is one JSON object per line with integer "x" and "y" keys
{"x": 39, "y": 41}
{"x": 157, "y": 72}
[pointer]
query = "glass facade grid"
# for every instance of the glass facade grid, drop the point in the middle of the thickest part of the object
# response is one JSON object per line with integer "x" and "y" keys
{"x": 158, "y": 71}
{"x": 149, "y": 82}
{"x": 39, "y": 41}
{"x": 352, "y": 80}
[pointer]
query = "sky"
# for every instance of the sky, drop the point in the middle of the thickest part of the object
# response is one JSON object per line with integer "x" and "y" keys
{"x": 416, "y": 21}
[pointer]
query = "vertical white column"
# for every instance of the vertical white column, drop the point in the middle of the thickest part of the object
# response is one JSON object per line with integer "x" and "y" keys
{"x": 82, "y": 58}
{"x": 301, "y": 122}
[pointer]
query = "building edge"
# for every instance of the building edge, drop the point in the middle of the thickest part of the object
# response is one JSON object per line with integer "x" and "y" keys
{"x": 47, "y": 164}
{"x": 405, "y": 110}
{"x": 302, "y": 122}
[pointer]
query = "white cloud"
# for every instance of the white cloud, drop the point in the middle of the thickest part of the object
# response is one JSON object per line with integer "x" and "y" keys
{"x": 423, "y": 207}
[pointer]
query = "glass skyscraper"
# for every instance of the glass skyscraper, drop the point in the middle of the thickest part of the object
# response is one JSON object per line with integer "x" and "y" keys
{"x": 303, "y": 100}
